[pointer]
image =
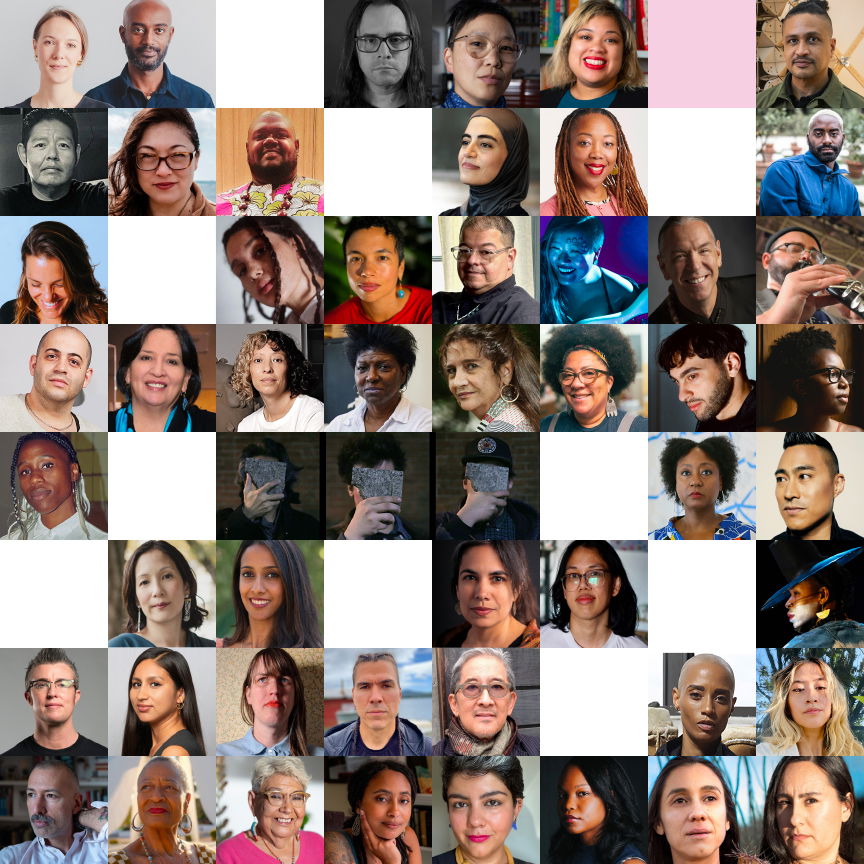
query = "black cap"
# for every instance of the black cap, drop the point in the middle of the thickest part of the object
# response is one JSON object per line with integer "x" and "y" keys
{"x": 778, "y": 234}
{"x": 488, "y": 448}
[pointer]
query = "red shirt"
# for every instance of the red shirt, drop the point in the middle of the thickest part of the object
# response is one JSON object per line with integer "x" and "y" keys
{"x": 418, "y": 310}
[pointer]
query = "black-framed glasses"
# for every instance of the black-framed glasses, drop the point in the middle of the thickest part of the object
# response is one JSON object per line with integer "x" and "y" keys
{"x": 473, "y": 690}
{"x": 43, "y": 684}
{"x": 369, "y": 44}
{"x": 276, "y": 798}
{"x": 586, "y": 376}
{"x": 590, "y": 578}
{"x": 176, "y": 161}
{"x": 817, "y": 256}
{"x": 834, "y": 374}
{"x": 479, "y": 46}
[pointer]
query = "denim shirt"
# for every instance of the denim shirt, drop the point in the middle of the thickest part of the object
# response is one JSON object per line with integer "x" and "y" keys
{"x": 173, "y": 92}
{"x": 249, "y": 745}
{"x": 803, "y": 186}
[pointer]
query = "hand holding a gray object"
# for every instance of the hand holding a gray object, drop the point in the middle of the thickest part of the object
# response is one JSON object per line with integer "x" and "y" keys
{"x": 261, "y": 501}
{"x": 373, "y": 516}
{"x": 487, "y": 489}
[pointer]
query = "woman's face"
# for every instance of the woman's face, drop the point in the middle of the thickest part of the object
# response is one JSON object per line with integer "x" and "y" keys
{"x": 252, "y": 263}
{"x": 808, "y": 701}
{"x": 271, "y": 697}
{"x": 157, "y": 375}
{"x": 581, "y": 811}
{"x": 378, "y": 377}
{"x": 58, "y": 49}
{"x": 597, "y": 53}
{"x": 569, "y": 257}
{"x": 262, "y": 591}
{"x": 484, "y": 588}
{"x": 283, "y": 819}
{"x": 48, "y": 287}
{"x": 588, "y": 597}
{"x": 472, "y": 380}
{"x": 586, "y": 400}
{"x": 481, "y": 812}
{"x": 159, "y": 588}
{"x": 387, "y": 804}
{"x": 482, "y": 152}
{"x": 372, "y": 264}
{"x": 167, "y": 186}
{"x": 47, "y": 477}
{"x": 810, "y": 813}
{"x": 697, "y": 480}
{"x": 692, "y": 813}
{"x": 153, "y": 694}
{"x": 383, "y": 68}
{"x": 268, "y": 370}
{"x": 161, "y": 800}
{"x": 593, "y": 149}
{"x": 818, "y": 393}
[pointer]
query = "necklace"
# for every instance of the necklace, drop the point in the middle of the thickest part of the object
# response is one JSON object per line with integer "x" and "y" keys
{"x": 183, "y": 851}
{"x": 291, "y": 860}
{"x": 466, "y": 315}
{"x": 285, "y": 205}
{"x": 74, "y": 419}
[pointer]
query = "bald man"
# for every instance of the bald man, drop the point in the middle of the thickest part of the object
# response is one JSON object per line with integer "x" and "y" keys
{"x": 704, "y": 698}
{"x": 272, "y": 151}
{"x": 146, "y": 81}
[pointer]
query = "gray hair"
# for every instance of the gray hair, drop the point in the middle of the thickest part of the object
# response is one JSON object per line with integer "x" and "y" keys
{"x": 64, "y": 767}
{"x": 470, "y": 654}
{"x": 185, "y": 782}
{"x": 672, "y": 221}
{"x": 267, "y": 766}
{"x": 820, "y": 113}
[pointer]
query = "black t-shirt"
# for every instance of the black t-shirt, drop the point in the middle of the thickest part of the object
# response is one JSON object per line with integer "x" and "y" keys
{"x": 391, "y": 748}
{"x": 82, "y": 747}
{"x": 82, "y": 199}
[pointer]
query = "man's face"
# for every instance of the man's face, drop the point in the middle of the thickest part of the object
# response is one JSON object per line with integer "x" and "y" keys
{"x": 483, "y": 268}
{"x": 376, "y": 694}
{"x": 272, "y": 149}
{"x": 60, "y": 368}
{"x": 383, "y": 68}
{"x": 704, "y": 386}
{"x": 146, "y": 33}
{"x": 807, "y": 47}
{"x": 826, "y": 138}
{"x": 52, "y": 705}
{"x": 704, "y": 697}
{"x": 483, "y": 717}
{"x": 52, "y": 801}
{"x": 50, "y": 154}
{"x": 806, "y": 487}
{"x": 691, "y": 259}
{"x": 781, "y": 261}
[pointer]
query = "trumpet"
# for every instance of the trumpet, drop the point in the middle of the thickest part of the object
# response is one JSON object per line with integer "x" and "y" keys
{"x": 850, "y": 293}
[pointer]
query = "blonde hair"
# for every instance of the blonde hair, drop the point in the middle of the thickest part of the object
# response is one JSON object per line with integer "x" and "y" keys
{"x": 837, "y": 737}
{"x": 557, "y": 71}
{"x": 71, "y": 17}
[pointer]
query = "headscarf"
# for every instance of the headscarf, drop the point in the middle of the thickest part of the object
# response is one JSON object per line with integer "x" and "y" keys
{"x": 510, "y": 188}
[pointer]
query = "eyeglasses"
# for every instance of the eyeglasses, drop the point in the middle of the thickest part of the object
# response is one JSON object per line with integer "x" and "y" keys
{"x": 463, "y": 253}
{"x": 834, "y": 374}
{"x": 276, "y": 799}
{"x": 473, "y": 690}
{"x": 586, "y": 376}
{"x": 175, "y": 161}
{"x": 395, "y": 42}
{"x": 817, "y": 256}
{"x": 478, "y": 47}
{"x": 591, "y": 579}
{"x": 41, "y": 684}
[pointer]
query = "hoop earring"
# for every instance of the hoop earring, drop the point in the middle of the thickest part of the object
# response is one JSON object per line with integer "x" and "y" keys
{"x": 187, "y": 608}
{"x": 136, "y": 828}
{"x": 510, "y": 393}
{"x": 186, "y": 824}
{"x": 611, "y": 408}
{"x": 180, "y": 706}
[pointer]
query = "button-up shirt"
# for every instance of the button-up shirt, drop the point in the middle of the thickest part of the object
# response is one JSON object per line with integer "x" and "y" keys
{"x": 173, "y": 92}
{"x": 249, "y": 745}
{"x": 69, "y": 529}
{"x": 804, "y": 186}
{"x": 407, "y": 417}
{"x": 835, "y": 95}
{"x": 87, "y": 847}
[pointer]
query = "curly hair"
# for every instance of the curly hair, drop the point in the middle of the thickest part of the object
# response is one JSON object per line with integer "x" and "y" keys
{"x": 87, "y": 301}
{"x": 311, "y": 261}
{"x": 714, "y": 341}
{"x": 499, "y": 343}
{"x": 128, "y": 198}
{"x": 624, "y": 185}
{"x": 386, "y": 338}
{"x": 367, "y": 450}
{"x": 718, "y": 448}
{"x": 557, "y": 71}
{"x": 838, "y": 738}
{"x": 605, "y": 338}
{"x": 300, "y": 377}
{"x": 791, "y": 356}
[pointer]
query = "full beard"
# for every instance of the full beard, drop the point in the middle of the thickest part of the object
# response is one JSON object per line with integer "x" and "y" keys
{"x": 274, "y": 175}
{"x": 146, "y": 65}
{"x": 715, "y": 403}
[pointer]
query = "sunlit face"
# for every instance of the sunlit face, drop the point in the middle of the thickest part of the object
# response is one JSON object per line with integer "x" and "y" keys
{"x": 482, "y": 270}
{"x": 161, "y": 799}
{"x": 810, "y": 813}
{"x": 825, "y": 138}
{"x": 157, "y": 375}
{"x": 580, "y": 809}
{"x": 147, "y": 33}
{"x": 704, "y": 386}
{"x": 705, "y": 699}
{"x": 588, "y": 400}
{"x": 589, "y": 598}
{"x": 472, "y": 378}
{"x": 54, "y": 705}
{"x": 483, "y": 717}
{"x": 376, "y": 694}
{"x": 807, "y": 47}
{"x": 697, "y": 480}
{"x": 60, "y": 369}
{"x": 271, "y": 697}
{"x": 372, "y": 264}
{"x": 484, "y": 588}
{"x": 279, "y": 821}
{"x": 58, "y": 49}
{"x": 167, "y": 186}
{"x": 378, "y": 377}
{"x": 482, "y": 812}
{"x": 803, "y": 602}
{"x": 480, "y": 81}
{"x": 597, "y": 53}
{"x": 52, "y": 801}
{"x": 268, "y": 370}
{"x": 690, "y": 259}
{"x": 809, "y": 702}
{"x": 48, "y": 287}
{"x": 693, "y": 813}
{"x": 47, "y": 479}
{"x": 387, "y": 804}
{"x": 805, "y": 487}
{"x": 481, "y": 153}
{"x": 593, "y": 149}
{"x": 49, "y": 156}
{"x": 262, "y": 590}
{"x": 153, "y": 694}
{"x": 817, "y": 392}
{"x": 159, "y": 587}
{"x": 383, "y": 68}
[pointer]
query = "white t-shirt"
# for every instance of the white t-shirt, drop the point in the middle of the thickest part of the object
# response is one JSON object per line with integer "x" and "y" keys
{"x": 552, "y": 637}
{"x": 305, "y": 415}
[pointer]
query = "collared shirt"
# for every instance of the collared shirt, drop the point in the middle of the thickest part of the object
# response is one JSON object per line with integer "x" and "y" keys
{"x": 833, "y": 95}
{"x": 505, "y": 303}
{"x": 804, "y": 186}
{"x": 87, "y": 847}
{"x": 249, "y": 745}
{"x": 407, "y": 417}
{"x": 173, "y": 92}
{"x": 70, "y": 529}
{"x": 305, "y": 197}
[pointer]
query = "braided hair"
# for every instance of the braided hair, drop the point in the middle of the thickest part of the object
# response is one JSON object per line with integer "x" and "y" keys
{"x": 624, "y": 185}
{"x": 24, "y": 518}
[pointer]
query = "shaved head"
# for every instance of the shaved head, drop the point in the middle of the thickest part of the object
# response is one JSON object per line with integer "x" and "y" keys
{"x": 272, "y": 148}
{"x": 66, "y": 329}
{"x": 150, "y": 5}
{"x": 271, "y": 117}
{"x": 698, "y": 660}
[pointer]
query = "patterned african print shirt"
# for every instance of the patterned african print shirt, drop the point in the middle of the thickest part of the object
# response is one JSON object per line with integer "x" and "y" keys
{"x": 305, "y": 198}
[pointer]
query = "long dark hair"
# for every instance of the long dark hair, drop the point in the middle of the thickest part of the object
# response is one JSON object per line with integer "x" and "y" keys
{"x": 773, "y": 849}
{"x": 297, "y": 624}
{"x": 622, "y": 825}
{"x": 351, "y": 82}
{"x": 659, "y": 851}
{"x": 137, "y": 737}
{"x": 623, "y": 607}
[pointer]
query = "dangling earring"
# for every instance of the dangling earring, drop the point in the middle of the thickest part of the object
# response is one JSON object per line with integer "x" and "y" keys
{"x": 400, "y": 291}
{"x": 187, "y": 607}
{"x": 515, "y": 826}
{"x": 823, "y": 613}
{"x": 186, "y": 824}
{"x": 356, "y": 826}
{"x": 614, "y": 172}
{"x": 611, "y": 408}
{"x": 185, "y": 401}
{"x": 136, "y": 828}
{"x": 510, "y": 393}
{"x": 139, "y": 619}
{"x": 252, "y": 828}
{"x": 180, "y": 706}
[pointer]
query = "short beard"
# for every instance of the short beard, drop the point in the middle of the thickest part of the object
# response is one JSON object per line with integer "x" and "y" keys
{"x": 274, "y": 175}
{"x": 716, "y": 402}
{"x": 145, "y": 65}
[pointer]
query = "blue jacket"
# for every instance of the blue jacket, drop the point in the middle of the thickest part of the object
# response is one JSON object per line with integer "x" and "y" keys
{"x": 341, "y": 739}
{"x": 803, "y": 186}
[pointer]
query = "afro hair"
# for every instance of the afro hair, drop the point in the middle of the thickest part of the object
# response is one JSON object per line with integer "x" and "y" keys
{"x": 718, "y": 448}
{"x": 791, "y": 356}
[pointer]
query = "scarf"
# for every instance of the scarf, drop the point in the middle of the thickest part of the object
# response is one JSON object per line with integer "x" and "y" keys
{"x": 454, "y": 100}
{"x": 466, "y": 744}
{"x": 179, "y": 420}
